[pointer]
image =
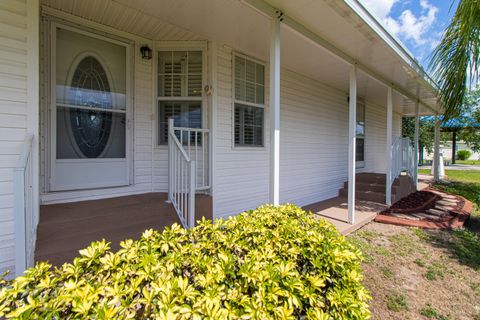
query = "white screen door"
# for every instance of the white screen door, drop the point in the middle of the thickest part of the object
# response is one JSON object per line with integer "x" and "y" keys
{"x": 88, "y": 113}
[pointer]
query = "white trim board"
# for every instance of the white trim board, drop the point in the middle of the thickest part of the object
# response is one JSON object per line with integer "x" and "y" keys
{"x": 91, "y": 194}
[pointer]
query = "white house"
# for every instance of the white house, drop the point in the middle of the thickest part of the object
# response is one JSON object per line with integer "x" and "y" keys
{"x": 273, "y": 101}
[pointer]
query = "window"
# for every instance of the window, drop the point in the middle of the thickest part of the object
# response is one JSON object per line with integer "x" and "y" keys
{"x": 179, "y": 90}
{"x": 360, "y": 141}
{"x": 249, "y": 102}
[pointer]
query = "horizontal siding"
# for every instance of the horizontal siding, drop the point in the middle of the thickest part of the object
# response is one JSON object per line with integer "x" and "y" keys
{"x": 376, "y": 137}
{"x": 143, "y": 100}
{"x": 313, "y": 140}
{"x": 13, "y": 115}
{"x": 313, "y": 145}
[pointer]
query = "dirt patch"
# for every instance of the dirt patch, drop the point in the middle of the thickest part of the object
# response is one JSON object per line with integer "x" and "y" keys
{"x": 410, "y": 275}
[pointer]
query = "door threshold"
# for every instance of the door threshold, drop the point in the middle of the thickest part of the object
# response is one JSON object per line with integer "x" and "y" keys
{"x": 89, "y": 194}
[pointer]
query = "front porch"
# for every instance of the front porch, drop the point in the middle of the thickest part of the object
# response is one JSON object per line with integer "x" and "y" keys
{"x": 68, "y": 227}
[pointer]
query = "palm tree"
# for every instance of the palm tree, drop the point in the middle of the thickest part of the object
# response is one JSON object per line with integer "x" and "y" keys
{"x": 455, "y": 61}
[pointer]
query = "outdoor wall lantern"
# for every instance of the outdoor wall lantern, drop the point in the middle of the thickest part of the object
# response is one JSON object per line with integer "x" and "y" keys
{"x": 146, "y": 52}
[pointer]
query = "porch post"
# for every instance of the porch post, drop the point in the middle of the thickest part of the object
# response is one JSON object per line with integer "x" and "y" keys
{"x": 274, "y": 193}
{"x": 352, "y": 128}
{"x": 388, "y": 151}
{"x": 436, "y": 151}
{"x": 454, "y": 145}
{"x": 415, "y": 144}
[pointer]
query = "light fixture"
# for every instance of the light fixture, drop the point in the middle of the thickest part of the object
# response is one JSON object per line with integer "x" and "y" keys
{"x": 146, "y": 52}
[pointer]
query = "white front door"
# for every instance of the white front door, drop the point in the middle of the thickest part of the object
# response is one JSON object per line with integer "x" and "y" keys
{"x": 88, "y": 111}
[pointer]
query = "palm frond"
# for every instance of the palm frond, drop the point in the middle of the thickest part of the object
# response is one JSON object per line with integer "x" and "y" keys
{"x": 455, "y": 61}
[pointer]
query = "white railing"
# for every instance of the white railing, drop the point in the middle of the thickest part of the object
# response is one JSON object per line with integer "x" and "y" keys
{"x": 409, "y": 165}
{"x": 188, "y": 169}
{"x": 403, "y": 159}
{"x": 397, "y": 158}
{"x": 26, "y": 215}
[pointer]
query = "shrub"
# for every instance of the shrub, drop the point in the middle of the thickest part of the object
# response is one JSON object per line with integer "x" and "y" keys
{"x": 273, "y": 262}
{"x": 463, "y": 154}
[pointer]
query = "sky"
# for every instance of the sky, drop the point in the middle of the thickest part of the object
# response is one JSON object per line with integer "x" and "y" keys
{"x": 418, "y": 24}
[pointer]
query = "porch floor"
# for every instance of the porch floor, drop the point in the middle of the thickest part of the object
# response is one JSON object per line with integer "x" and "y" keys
{"x": 335, "y": 210}
{"x": 68, "y": 227}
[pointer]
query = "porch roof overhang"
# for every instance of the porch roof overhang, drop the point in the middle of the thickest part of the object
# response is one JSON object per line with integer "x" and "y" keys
{"x": 319, "y": 39}
{"x": 352, "y": 35}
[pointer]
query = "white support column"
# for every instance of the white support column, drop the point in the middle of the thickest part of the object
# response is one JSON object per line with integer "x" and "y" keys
{"x": 33, "y": 103}
{"x": 213, "y": 98}
{"x": 352, "y": 133}
{"x": 415, "y": 144}
{"x": 274, "y": 193}
{"x": 388, "y": 151}
{"x": 436, "y": 150}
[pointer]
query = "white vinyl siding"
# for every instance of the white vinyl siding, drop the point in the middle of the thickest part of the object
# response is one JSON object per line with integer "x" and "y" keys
{"x": 375, "y": 137}
{"x": 13, "y": 115}
{"x": 313, "y": 140}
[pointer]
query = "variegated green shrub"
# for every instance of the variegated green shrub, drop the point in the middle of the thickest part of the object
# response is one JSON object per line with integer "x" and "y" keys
{"x": 270, "y": 263}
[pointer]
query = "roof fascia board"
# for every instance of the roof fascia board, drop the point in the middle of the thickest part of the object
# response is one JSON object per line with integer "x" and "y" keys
{"x": 272, "y": 12}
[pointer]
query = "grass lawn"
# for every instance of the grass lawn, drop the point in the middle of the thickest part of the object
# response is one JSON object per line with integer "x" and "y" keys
{"x": 464, "y": 176}
{"x": 470, "y": 162}
{"x": 423, "y": 274}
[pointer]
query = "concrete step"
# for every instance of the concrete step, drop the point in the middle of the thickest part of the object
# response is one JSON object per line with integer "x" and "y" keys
{"x": 371, "y": 177}
{"x": 373, "y": 196}
{"x": 371, "y": 186}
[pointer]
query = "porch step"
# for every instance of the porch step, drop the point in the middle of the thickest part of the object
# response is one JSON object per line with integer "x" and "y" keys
{"x": 371, "y": 186}
{"x": 371, "y": 178}
{"x": 367, "y": 195}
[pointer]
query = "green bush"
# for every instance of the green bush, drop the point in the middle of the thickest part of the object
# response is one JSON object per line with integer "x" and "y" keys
{"x": 270, "y": 263}
{"x": 463, "y": 154}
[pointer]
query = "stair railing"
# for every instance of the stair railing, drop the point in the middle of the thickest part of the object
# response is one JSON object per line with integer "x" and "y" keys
{"x": 408, "y": 164}
{"x": 188, "y": 169}
{"x": 403, "y": 159}
{"x": 397, "y": 159}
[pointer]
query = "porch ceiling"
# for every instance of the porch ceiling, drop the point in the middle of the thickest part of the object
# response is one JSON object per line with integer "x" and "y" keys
{"x": 240, "y": 26}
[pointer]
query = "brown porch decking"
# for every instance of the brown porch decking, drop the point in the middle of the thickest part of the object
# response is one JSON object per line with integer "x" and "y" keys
{"x": 335, "y": 210}
{"x": 66, "y": 228}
